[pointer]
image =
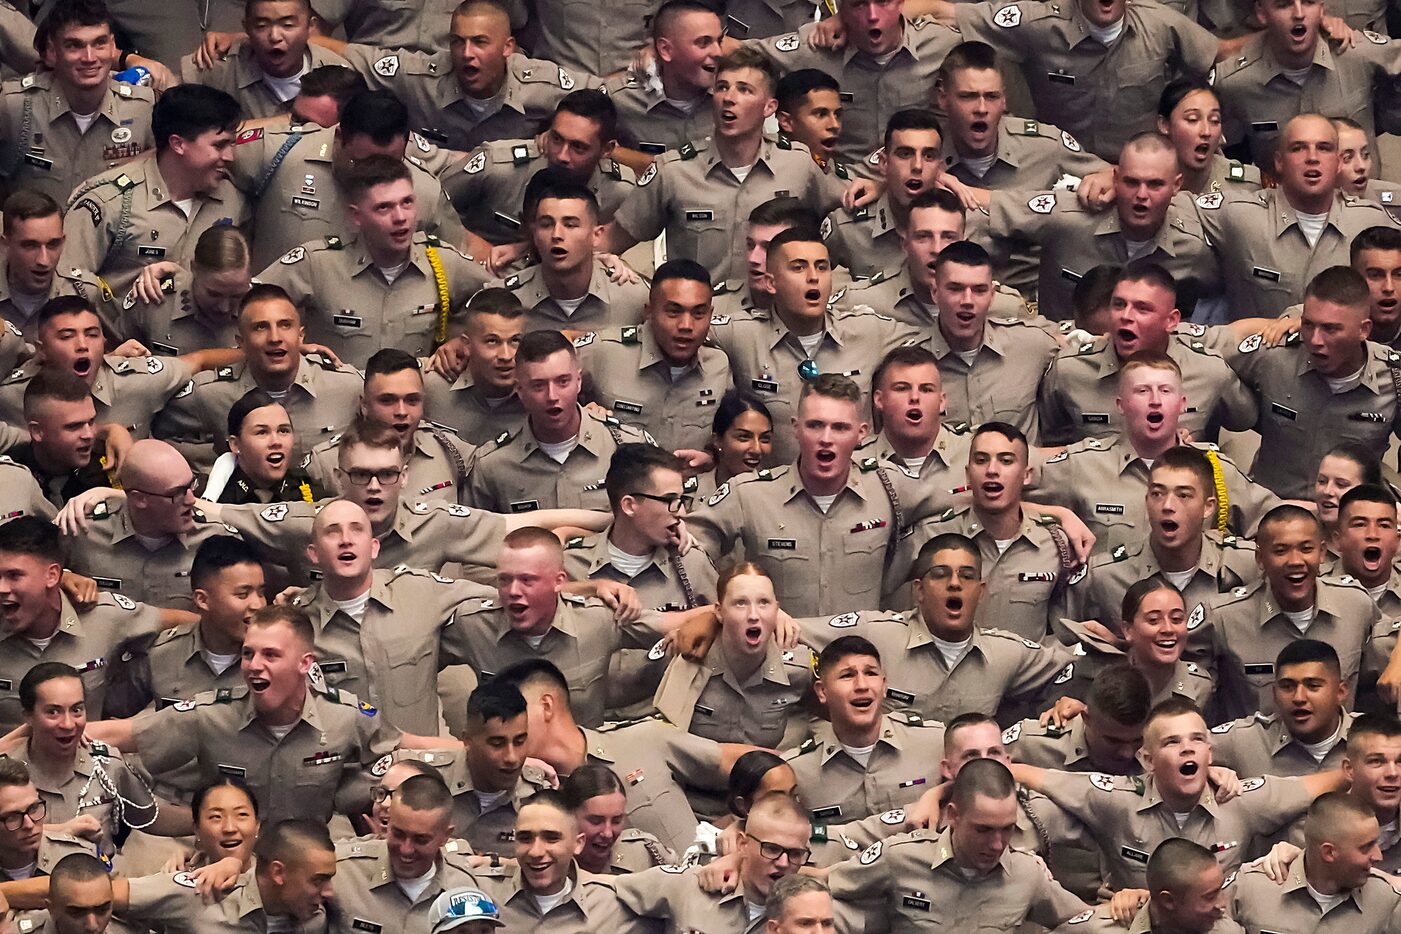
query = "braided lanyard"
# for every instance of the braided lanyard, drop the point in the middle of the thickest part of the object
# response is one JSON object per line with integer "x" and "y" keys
{"x": 305, "y": 489}
{"x": 440, "y": 279}
{"x": 683, "y": 579}
{"x": 1223, "y": 504}
{"x": 119, "y": 804}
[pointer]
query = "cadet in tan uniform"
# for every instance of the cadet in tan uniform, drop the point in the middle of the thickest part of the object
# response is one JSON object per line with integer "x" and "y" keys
{"x": 194, "y": 308}
{"x": 35, "y": 271}
{"x": 810, "y": 111}
{"x": 667, "y": 112}
{"x": 479, "y": 89}
{"x": 389, "y": 285}
{"x": 1104, "y": 738}
{"x": 20, "y": 493}
{"x": 318, "y": 768}
{"x": 31, "y": 553}
{"x": 561, "y": 455}
{"x": 569, "y": 289}
{"x": 592, "y": 39}
{"x": 1271, "y": 243}
{"x": 907, "y": 400}
{"x": 864, "y": 761}
{"x": 126, "y": 217}
{"x": 1078, "y": 391}
{"x": 653, "y": 757}
{"x": 1129, "y": 817}
{"x": 663, "y": 376}
{"x": 599, "y": 800}
{"x": 481, "y": 402}
{"x": 1189, "y": 114}
{"x": 1183, "y": 548}
{"x": 71, "y": 121}
{"x": 1149, "y": 222}
{"x": 293, "y": 174}
{"x": 263, "y": 72}
{"x": 319, "y": 396}
{"x": 1186, "y": 891}
{"x": 1096, "y": 69}
{"x": 488, "y": 185}
{"x": 698, "y": 194}
{"x": 1105, "y": 481}
{"x": 1302, "y": 415}
{"x": 954, "y": 877}
{"x": 1370, "y": 900}
{"x": 380, "y": 887}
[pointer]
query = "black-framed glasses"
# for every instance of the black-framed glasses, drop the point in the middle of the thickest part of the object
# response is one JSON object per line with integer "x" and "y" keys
{"x": 942, "y": 572}
{"x": 797, "y": 856}
{"x": 674, "y": 504}
{"x": 15, "y": 819}
{"x": 175, "y": 496}
{"x": 386, "y": 477}
{"x": 808, "y": 370}
{"x": 379, "y": 793}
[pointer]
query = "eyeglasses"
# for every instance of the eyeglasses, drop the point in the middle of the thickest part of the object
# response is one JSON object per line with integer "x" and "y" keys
{"x": 175, "y": 496}
{"x": 386, "y": 477}
{"x": 808, "y": 370}
{"x": 379, "y": 793}
{"x": 797, "y": 856}
{"x": 15, "y": 819}
{"x": 942, "y": 572}
{"x": 674, "y": 504}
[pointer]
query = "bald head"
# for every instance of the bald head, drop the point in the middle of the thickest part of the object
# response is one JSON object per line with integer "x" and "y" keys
{"x": 153, "y": 465}
{"x": 338, "y": 512}
{"x": 160, "y": 489}
{"x": 1308, "y": 126}
{"x": 343, "y": 545}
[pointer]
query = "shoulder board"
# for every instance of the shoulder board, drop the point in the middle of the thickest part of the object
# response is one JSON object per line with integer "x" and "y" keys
{"x": 574, "y": 599}
{"x": 809, "y": 745}
{"x": 613, "y": 725}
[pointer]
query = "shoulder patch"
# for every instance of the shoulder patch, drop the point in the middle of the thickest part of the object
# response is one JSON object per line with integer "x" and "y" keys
{"x": 1070, "y": 142}
{"x": 896, "y": 816}
{"x": 1223, "y": 727}
{"x": 274, "y": 513}
{"x": 1043, "y": 203}
{"x": 475, "y": 164}
{"x": 647, "y": 176}
{"x": 1375, "y": 37}
{"x": 719, "y": 495}
{"x": 1197, "y": 617}
{"x": 1102, "y": 781}
{"x": 1251, "y": 343}
{"x": 1082, "y": 917}
{"x": 1010, "y": 734}
{"x": 123, "y": 601}
{"x": 183, "y": 878}
{"x": 388, "y": 66}
{"x": 1009, "y": 17}
{"x": 1251, "y": 784}
{"x": 249, "y": 136}
{"x": 871, "y": 853}
{"x": 788, "y": 43}
{"x": 294, "y": 255}
{"x": 1211, "y": 201}
{"x": 844, "y": 621}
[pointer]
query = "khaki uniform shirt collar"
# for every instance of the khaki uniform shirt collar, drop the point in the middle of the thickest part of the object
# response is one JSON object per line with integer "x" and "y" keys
{"x": 975, "y": 528}
{"x": 1210, "y": 560}
{"x": 907, "y": 47}
{"x": 1079, "y": 746}
{"x": 1296, "y": 880}
{"x": 772, "y": 668}
{"x": 250, "y": 897}
{"x": 308, "y": 376}
{"x": 247, "y": 71}
{"x": 1322, "y": 57}
{"x": 599, "y": 557}
{"x": 1152, "y": 799}
{"x": 1006, "y": 147}
{"x": 1142, "y": 922}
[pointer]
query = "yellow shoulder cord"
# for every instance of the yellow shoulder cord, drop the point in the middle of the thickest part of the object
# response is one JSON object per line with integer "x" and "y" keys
{"x": 1223, "y": 504}
{"x": 305, "y": 489}
{"x": 440, "y": 279}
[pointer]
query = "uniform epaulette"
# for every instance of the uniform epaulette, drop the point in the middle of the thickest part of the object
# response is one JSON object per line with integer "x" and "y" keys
{"x": 632, "y": 334}
{"x": 347, "y": 699}
{"x": 166, "y": 636}
{"x": 575, "y": 599}
{"x": 810, "y": 744}
{"x": 689, "y": 150}
{"x": 356, "y": 849}
{"x": 1012, "y": 636}
{"x": 612, "y": 725}
{"x": 910, "y": 718}
{"x": 575, "y": 543}
{"x": 517, "y": 279}
{"x": 100, "y": 749}
{"x": 1120, "y": 553}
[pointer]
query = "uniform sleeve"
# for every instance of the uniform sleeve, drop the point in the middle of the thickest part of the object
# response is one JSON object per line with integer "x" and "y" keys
{"x": 281, "y": 533}
{"x": 87, "y": 238}
{"x": 164, "y": 738}
{"x": 694, "y": 760}
{"x": 1249, "y": 500}
{"x": 1038, "y": 669}
{"x": 717, "y": 524}
{"x": 650, "y": 893}
{"x": 160, "y": 898}
{"x": 128, "y": 679}
{"x": 643, "y": 213}
{"x": 641, "y": 633}
{"x": 465, "y": 277}
{"x": 980, "y": 22}
{"x": 864, "y": 878}
{"x": 1051, "y": 906}
{"x": 292, "y": 273}
{"x": 179, "y": 419}
{"x": 475, "y": 542}
{"x": 174, "y": 375}
{"x": 1237, "y": 407}
{"x": 1021, "y": 214}
{"x": 250, "y": 161}
{"x": 367, "y": 60}
{"x": 1075, "y": 794}
{"x": 377, "y": 740}
{"x": 1272, "y": 803}
{"x": 1057, "y": 426}
{"x": 444, "y": 221}
{"x": 1196, "y": 47}
{"x": 143, "y": 620}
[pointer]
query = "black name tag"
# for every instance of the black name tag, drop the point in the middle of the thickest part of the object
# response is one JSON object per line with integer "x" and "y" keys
{"x": 764, "y": 385}
{"x": 1138, "y": 856}
{"x": 528, "y": 505}
{"x": 1095, "y": 418}
{"x": 1069, "y": 275}
{"x": 1264, "y": 126}
{"x": 784, "y": 544}
{"x": 1109, "y": 509}
{"x": 6, "y": 684}
{"x": 39, "y": 163}
{"x": 846, "y": 97}
{"x": 910, "y": 901}
{"x": 306, "y": 203}
{"x": 347, "y": 321}
{"x": 1060, "y": 79}
{"x": 700, "y": 215}
{"x": 1269, "y": 275}
{"x": 1264, "y": 668}
{"x": 333, "y": 667}
{"x": 904, "y": 697}
{"x": 508, "y": 220}
{"x": 233, "y": 771}
{"x": 108, "y": 583}
{"x": 702, "y": 709}
{"x": 1283, "y": 411}
{"x": 169, "y": 350}
{"x": 156, "y": 251}
{"x": 833, "y": 810}
{"x": 652, "y": 149}
{"x": 360, "y": 924}
{"x": 632, "y": 408}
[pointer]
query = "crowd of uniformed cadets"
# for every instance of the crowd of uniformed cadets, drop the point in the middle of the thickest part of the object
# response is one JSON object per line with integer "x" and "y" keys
{"x": 700, "y": 466}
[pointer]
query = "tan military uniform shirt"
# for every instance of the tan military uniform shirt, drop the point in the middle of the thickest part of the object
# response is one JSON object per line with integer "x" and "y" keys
{"x": 1000, "y": 384}
{"x": 348, "y": 305}
{"x": 427, "y": 85}
{"x": 1101, "y": 95}
{"x": 1257, "y": 99}
{"x": 866, "y": 240}
{"x": 591, "y": 905}
{"x": 1030, "y": 155}
{"x": 492, "y": 831}
{"x": 1077, "y": 394}
{"x": 636, "y": 850}
{"x": 174, "y": 668}
{"x": 20, "y": 493}
{"x": 915, "y": 880}
{"x": 99, "y": 775}
{"x": 607, "y": 304}
{"x": 655, "y": 759}
{"x": 1301, "y": 418}
{"x": 658, "y": 585}
{"x": 111, "y": 554}
{"x": 421, "y": 26}
{"x": 464, "y": 408}
{"x": 127, "y": 390}
{"x": 891, "y": 293}
{"x": 22, "y": 319}
{"x": 997, "y": 666}
{"x": 322, "y": 766}
{"x": 44, "y": 148}
{"x": 239, "y": 75}
{"x": 1128, "y": 818}
{"x": 903, "y": 766}
{"x": 1266, "y": 261}
{"x": 944, "y": 467}
{"x": 765, "y": 355}
{"x": 83, "y": 640}
{"x": 1105, "y": 482}
{"x": 1074, "y": 241}
{"x": 650, "y": 123}
{"x": 488, "y": 187}
{"x": 702, "y": 206}
{"x": 1188, "y": 678}
{"x": 1261, "y": 744}
{"x": 1229, "y": 175}
{"x": 17, "y": 55}
{"x": 296, "y": 198}
{"x": 580, "y": 641}
{"x": 870, "y": 91}
{"x": 369, "y": 899}
{"x": 1250, "y": 629}
{"x": 758, "y": 19}
{"x": 593, "y": 38}
{"x": 1261, "y": 904}
{"x": 171, "y": 901}
{"x": 176, "y": 325}
{"x": 1049, "y": 747}
{"x": 764, "y": 709}
{"x": 673, "y": 894}
{"x": 633, "y": 380}
{"x": 321, "y": 400}
{"x": 438, "y": 465}
{"x": 513, "y": 474}
{"x": 124, "y": 218}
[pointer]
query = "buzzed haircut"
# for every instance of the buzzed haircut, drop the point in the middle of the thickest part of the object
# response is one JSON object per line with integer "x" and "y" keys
{"x": 266, "y": 292}
{"x": 1340, "y": 285}
{"x": 495, "y": 301}
{"x": 377, "y": 115}
{"x": 334, "y": 81}
{"x": 41, "y": 674}
{"x": 13, "y": 772}
{"x": 390, "y": 360}
{"x": 832, "y": 386}
{"x": 1009, "y": 431}
{"x": 1286, "y": 512}
{"x": 77, "y": 867}
{"x": 293, "y": 617}
{"x": 967, "y": 56}
{"x": 1308, "y": 652}
{"x": 946, "y": 541}
{"x": 32, "y": 537}
{"x": 962, "y": 722}
{"x": 1120, "y": 694}
{"x": 595, "y": 106}
{"x": 547, "y": 797}
{"x": 424, "y": 793}
{"x": 370, "y": 172}
{"x": 777, "y": 807}
{"x": 1175, "y": 706}
{"x": 843, "y": 648}
{"x": 532, "y": 536}
{"x": 911, "y": 118}
{"x": 1145, "y": 270}
{"x": 986, "y": 777}
{"x": 246, "y": 404}
{"x": 1373, "y": 238}
{"x": 962, "y": 253}
{"x": 191, "y": 110}
{"x": 1148, "y": 141}
{"x": 1148, "y": 360}
{"x": 287, "y": 840}
{"x": 1190, "y": 460}
{"x": 630, "y": 470}
{"x": 25, "y": 204}
{"x": 474, "y": 7}
{"x": 1176, "y": 865}
{"x": 746, "y": 57}
{"x": 50, "y": 385}
{"x": 493, "y": 699}
{"x": 940, "y": 198}
{"x": 794, "y": 87}
{"x": 783, "y": 212}
{"x": 789, "y": 888}
{"x": 537, "y": 346}
{"x": 532, "y": 671}
{"x": 217, "y": 554}
{"x": 792, "y": 235}
{"x": 1330, "y": 812}
{"x": 64, "y": 305}
{"x": 672, "y": 270}
{"x": 1094, "y": 291}
{"x": 553, "y": 183}
{"x": 907, "y": 355}
{"x": 1385, "y": 725}
{"x": 1365, "y": 493}
{"x": 668, "y": 13}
